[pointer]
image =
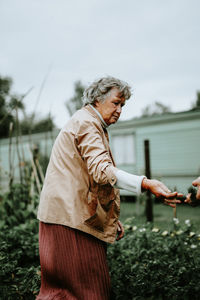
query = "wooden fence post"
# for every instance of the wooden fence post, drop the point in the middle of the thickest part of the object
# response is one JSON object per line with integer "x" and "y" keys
{"x": 149, "y": 205}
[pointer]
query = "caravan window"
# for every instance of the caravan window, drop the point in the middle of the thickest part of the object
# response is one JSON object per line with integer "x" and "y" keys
{"x": 123, "y": 149}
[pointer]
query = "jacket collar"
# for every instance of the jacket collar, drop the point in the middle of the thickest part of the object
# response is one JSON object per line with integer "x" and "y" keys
{"x": 97, "y": 114}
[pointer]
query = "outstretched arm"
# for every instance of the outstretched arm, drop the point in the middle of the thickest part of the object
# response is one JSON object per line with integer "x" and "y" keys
{"x": 137, "y": 184}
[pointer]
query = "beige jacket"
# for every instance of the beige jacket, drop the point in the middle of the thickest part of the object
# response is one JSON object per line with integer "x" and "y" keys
{"x": 78, "y": 189}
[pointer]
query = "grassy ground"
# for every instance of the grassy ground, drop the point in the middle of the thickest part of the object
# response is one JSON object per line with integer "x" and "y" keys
{"x": 163, "y": 215}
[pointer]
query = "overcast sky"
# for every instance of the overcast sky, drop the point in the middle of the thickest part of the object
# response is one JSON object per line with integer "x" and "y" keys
{"x": 154, "y": 45}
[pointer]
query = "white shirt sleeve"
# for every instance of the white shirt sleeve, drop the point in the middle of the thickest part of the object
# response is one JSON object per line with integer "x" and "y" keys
{"x": 129, "y": 182}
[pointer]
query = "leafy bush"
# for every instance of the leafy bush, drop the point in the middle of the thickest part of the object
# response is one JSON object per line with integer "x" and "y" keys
{"x": 19, "y": 257}
{"x": 19, "y": 273}
{"x": 149, "y": 264}
{"x": 17, "y": 206}
{"x": 146, "y": 264}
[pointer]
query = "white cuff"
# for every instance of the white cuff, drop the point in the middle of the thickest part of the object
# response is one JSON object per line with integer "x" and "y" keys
{"x": 129, "y": 182}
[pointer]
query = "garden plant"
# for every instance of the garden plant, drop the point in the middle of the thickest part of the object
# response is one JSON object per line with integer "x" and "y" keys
{"x": 148, "y": 263}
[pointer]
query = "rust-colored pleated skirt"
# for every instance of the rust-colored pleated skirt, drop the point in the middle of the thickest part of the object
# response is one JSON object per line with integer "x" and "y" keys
{"x": 73, "y": 265}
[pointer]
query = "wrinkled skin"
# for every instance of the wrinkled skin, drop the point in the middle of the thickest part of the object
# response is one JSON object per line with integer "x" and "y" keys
{"x": 111, "y": 108}
{"x": 158, "y": 188}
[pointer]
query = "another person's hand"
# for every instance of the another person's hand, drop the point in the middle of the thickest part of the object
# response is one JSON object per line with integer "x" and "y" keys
{"x": 161, "y": 191}
{"x": 120, "y": 231}
{"x": 195, "y": 183}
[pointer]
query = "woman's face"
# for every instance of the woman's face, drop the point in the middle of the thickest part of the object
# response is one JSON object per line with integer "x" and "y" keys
{"x": 111, "y": 108}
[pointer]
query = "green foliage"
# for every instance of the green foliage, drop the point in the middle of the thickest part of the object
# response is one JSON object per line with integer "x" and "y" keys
{"x": 19, "y": 273}
{"x": 17, "y": 207}
{"x": 19, "y": 257}
{"x": 156, "y": 108}
{"x": 29, "y": 125}
{"x": 76, "y": 102}
{"x": 198, "y": 99}
{"x": 16, "y": 103}
{"x": 10, "y": 107}
{"x": 150, "y": 264}
{"x": 43, "y": 125}
{"x": 44, "y": 161}
{"x": 196, "y": 105}
{"x": 5, "y": 115}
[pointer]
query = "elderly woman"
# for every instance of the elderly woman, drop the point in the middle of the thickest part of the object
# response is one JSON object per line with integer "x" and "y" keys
{"x": 80, "y": 204}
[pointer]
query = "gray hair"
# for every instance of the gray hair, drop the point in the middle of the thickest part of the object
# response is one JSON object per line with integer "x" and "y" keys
{"x": 99, "y": 89}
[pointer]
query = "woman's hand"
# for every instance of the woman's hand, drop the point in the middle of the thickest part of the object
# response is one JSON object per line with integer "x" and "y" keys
{"x": 161, "y": 191}
{"x": 120, "y": 230}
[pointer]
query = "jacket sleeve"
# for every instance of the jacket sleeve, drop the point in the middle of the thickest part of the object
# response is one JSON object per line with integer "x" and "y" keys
{"x": 129, "y": 182}
{"x": 92, "y": 149}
